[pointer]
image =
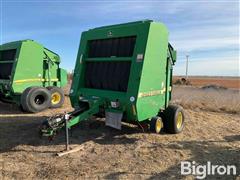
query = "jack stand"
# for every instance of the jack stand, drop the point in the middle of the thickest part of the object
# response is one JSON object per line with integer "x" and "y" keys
{"x": 66, "y": 135}
{"x": 68, "y": 150}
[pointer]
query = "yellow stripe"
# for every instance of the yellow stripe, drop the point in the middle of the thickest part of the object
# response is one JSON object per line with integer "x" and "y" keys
{"x": 151, "y": 93}
{"x": 33, "y": 80}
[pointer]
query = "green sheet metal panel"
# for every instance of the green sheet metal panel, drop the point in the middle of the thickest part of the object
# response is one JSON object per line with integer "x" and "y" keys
{"x": 151, "y": 95}
{"x": 28, "y": 70}
{"x": 63, "y": 77}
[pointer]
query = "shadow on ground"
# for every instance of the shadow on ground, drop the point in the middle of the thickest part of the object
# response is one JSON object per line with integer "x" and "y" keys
{"x": 202, "y": 152}
{"x": 9, "y": 108}
{"x": 24, "y": 130}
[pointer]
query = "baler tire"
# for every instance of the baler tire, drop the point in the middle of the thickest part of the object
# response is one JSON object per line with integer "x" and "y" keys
{"x": 174, "y": 119}
{"x": 23, "y": 101}
{"x": 156, "y": 124}
{"x": 35, "y": 99}
{"x": 57, "y": 96}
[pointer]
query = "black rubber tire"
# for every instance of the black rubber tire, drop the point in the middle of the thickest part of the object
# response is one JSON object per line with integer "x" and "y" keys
{"x": 23, "y": 99}
{"x": 153, "y": 124}
{"x": 54, "y": 89}
{"x": 170, "y": 119}
{"x": 35, "y": 99}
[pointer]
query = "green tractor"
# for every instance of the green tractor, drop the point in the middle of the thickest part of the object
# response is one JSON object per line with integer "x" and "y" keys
{"x": 123, "y": 72}
{"x": 30, "y": 76}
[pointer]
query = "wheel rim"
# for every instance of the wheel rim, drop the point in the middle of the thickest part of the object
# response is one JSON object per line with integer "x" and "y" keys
{"x": 39, "y": 99}
{"x": 56, "y": 98}
{"x": 158, "y": 125}
{"x": 179, "y": 120}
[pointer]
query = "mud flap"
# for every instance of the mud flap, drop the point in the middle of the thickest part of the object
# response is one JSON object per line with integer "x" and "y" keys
{"x": 114, "y": 119}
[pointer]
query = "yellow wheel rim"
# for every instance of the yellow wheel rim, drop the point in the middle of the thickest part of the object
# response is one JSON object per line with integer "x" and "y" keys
{"x": 56, "y": 98}
{"x": 179, "y": 120}
{"x": 158, "y": 125}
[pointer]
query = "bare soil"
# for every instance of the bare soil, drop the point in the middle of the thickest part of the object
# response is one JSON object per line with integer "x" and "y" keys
{"x": 228, "y": 82}
{"x": 211, "y": 134}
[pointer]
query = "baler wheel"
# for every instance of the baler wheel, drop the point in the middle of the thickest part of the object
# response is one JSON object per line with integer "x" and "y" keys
{"x": 174, "y": 119}
{"x": 23, "y": 105}
{"x": 35, "y": 99}
{"x": 156, "y": 124}
{"x": 57, "y": 96}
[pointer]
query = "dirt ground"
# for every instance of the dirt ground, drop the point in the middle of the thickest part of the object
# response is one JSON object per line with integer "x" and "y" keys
{"x": 212, "y": 133}
{"x": 229, "y": 82}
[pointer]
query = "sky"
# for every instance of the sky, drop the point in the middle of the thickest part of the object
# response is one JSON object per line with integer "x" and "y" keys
{"x": 208, "y": 31}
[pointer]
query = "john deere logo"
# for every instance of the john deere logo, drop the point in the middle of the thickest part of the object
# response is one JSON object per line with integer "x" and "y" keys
{"x": 109, "y": 33}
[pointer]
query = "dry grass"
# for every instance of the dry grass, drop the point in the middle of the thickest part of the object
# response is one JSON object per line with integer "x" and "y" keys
{"x": 209, "y": 99}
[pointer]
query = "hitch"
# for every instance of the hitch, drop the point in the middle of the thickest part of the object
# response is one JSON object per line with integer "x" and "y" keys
{"x": 54, "y": 124}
